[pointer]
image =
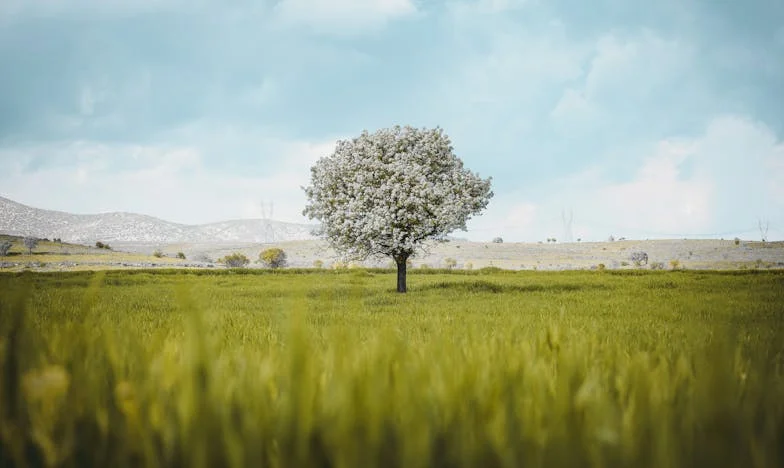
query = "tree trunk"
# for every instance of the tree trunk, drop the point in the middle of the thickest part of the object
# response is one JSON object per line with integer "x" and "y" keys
{"x": 401, "y": 273}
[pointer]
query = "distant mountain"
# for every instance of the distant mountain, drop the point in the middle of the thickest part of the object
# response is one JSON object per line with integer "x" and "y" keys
{"x": 21, "y": 220}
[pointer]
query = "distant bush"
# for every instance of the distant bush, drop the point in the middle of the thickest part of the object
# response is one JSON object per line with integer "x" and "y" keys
{"x": 657, "y": 266}
{"x": 624, "y": 263}
{"x": 639, "y": 258}
{"x": 601, "y": 267}
{"x": 203, "y": 258}
{"x": 273, "y": 258}
{"x": 318, "y": 264}
{"x": 5, "y": 246}
{"x": 737, "y": 241}
{"x": 468, "y": 266}
{"x": 450, "y": 263}
{"x": 498, "y": 240}
{"x": 339, "y": 265}
{"x": 181, "y": 255}
{"x": 674, "y": 264}
{"x": 158, "y": 253}
{"x": 30, "y": 243}
{"x": 490, "y": 269}
{"x": 101, "y": 245}
{"x": 235, "y": 260}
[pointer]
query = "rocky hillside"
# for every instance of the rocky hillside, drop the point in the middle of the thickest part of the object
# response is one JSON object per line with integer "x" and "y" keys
{"x": 21, "y": 220}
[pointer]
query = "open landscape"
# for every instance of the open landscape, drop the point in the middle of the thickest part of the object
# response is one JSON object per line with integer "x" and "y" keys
{"x": 391, "y": 234}
{"x": 334, "y": 368}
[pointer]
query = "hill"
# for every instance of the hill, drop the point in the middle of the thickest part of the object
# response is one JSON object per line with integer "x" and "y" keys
{"x": 22, "y": 220}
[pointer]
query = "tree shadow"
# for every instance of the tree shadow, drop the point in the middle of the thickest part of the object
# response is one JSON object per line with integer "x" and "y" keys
{"x": 483, "y": 286}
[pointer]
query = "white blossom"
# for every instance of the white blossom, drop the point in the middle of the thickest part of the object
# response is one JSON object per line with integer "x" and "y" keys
{"x": 384, "y": 194}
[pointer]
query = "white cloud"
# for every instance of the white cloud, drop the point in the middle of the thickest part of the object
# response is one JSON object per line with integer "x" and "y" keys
{"x": 343, "y": 16}
{"x": 622, "y": 74}
{"x": 717, "y": 184}
{"x": 488, "y": 6}
{"x": 172, "y": 183}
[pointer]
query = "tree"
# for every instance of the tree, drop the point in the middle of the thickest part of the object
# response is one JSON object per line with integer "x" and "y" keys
{"x": 30, "y": 243}
{"x": 387, "y": 193}
{"x": 5, "y": 246}
{"x": 235, "y": 260}
{"x": 273, "y": 258}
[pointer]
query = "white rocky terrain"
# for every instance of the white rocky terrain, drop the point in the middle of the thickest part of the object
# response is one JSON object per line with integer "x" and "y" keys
{"x": 21, "y": 220}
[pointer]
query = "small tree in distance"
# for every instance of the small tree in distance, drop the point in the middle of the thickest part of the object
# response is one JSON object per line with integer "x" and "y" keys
{"x": 273, "y": 258}
{"x": 235, "y": 260}
{"x": 5, "y": 246}
{"x": 386, "y": 193}
{"x": 30, "y": 243}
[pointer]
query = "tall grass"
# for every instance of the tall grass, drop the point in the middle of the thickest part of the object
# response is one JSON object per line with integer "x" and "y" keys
{"x": 335, "y": 369}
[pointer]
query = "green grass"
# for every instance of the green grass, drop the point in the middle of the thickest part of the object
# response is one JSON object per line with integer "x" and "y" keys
{"x": 302, "y": 368}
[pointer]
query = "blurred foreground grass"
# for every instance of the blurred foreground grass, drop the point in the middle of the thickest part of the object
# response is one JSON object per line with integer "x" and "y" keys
{"x": 334, "y": 369}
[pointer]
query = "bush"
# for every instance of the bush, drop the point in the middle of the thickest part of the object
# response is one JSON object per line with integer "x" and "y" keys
{"x": 450, "y": 263}
{"x": 101, "y": 245}
{"x": 468, "y": 266}
{"x": 657, "y": 266}
{"x": 639, "y": 258}
{"x": 498, "y": 240}
{"x": 674, "y": 264}
{"x": 5, "y": 246}
{"x": 318, "y": 264}
{"x": 235, "y": 260}
{"x": 737, "y": 241}
{"x": 181, "y": 255}
{"x": 601, "y": 267}
{"x": 273, "y": 258}
{"x": 157, "y": 253}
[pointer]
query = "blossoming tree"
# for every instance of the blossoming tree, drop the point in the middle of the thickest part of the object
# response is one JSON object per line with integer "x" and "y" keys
{"x": 386, "y": 193}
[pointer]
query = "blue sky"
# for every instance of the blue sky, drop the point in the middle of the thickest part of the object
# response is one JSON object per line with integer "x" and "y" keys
{"x": 642, "y": 119}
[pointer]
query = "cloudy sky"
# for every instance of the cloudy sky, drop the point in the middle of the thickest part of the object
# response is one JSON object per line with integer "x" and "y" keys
{"x": 642, "y": 119}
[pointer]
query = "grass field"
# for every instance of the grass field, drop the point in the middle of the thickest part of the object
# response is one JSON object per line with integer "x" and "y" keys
{"x": 333, "y": 369}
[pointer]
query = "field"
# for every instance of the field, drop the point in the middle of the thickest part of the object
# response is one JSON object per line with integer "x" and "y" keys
{"x": 304, "y": 368}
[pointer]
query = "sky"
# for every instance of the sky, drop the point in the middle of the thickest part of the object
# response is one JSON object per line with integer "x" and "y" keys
{"x": 620, "y": 118}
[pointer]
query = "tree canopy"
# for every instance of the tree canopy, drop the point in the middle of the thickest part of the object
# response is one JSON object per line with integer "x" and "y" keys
{"x": 385, "y": 193}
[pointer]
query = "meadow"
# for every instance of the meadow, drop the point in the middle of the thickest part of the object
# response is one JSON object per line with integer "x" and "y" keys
{"x": 307, "y": 368}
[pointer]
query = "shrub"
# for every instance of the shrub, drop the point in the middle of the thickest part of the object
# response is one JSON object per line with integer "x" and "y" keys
{"x": 5, "y": 246}
{"x": 657, "y": 266}
{"x": 235, "y": 260}
{"x": 318, "y": 264}
{"x": 30, "y": 243}
{"x": 498, "y": 240}
{"x": 674, "y": 264}
{"x": 181, "y": 255}
{"x": 468, "y": 266}
{"x": 273, "y": 258}
{"x": 157, "y": 253}
{"x": 639, "y": 258}
{"x": 737, "y": 241}
{"x": 450, "y": 263}
{"x": 624, "y": 263}
{"x": 101, "y": 245}
{"x": 601, "y": 267}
